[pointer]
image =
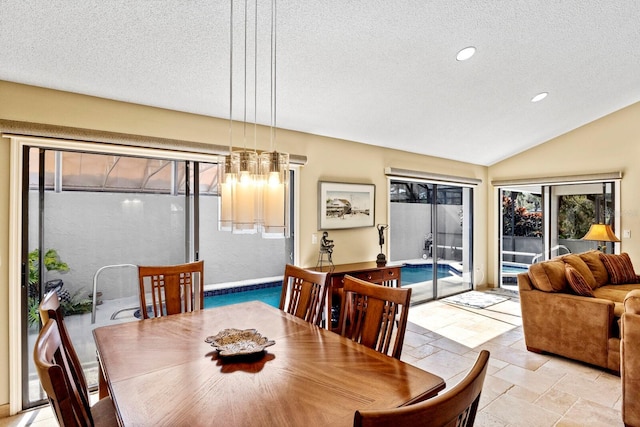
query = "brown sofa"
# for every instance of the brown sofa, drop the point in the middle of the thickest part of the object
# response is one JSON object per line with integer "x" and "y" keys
{"x": 629, "y": 361}
{"x": 571, "y": 306}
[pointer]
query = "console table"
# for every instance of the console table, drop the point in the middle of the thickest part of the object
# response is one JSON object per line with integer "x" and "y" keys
{"x": 388, "y": 275}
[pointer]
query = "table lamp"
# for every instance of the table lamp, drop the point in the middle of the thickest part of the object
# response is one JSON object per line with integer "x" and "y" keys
{"x": 601, "y": 233}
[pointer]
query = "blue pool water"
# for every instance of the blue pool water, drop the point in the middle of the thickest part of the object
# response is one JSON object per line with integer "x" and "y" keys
{"x": 514, "y": 268}
{"x": 415, "y": 273}
{"x": 269, "y": 295}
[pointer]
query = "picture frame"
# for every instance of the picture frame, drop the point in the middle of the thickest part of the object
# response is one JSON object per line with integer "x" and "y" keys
{"x": 344, "y": 205}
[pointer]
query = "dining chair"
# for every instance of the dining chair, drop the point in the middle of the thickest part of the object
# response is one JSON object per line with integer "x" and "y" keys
{"x": 456, "y": 407}
{"x": 59, "y": 380}
{"x": 171, "y": 289}
{"x": 304, "y": 293}
{"x": 374, "y": 315}
{"x": 50, "y": 308}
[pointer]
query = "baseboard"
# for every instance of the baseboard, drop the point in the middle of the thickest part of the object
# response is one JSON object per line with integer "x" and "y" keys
{"x": 4, "y": 410}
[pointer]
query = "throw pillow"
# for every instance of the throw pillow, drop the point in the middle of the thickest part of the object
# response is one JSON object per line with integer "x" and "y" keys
{"x": 596, "y": 266}
{"x": 548, "y": 276}
{"x": 581, "y": 267}
{"x": 577, "y": 282}
{"x": 620, "y": 268}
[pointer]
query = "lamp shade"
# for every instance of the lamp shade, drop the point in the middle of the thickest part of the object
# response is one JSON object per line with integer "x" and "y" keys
{"x": 601, "y": 233}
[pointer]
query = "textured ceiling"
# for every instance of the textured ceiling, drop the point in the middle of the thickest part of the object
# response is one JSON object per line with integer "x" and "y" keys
{"x": 377, "y": 72}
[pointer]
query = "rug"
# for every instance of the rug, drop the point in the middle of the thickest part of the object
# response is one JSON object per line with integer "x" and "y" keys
{"x": 475, "y": 299}
{"x": 511, "y": 294}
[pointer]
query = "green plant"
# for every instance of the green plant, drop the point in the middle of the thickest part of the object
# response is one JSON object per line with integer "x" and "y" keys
{"x": 76, "y": 305}
{"x": 33, "y": 314}
{"x": 51, "y": 263}
{"x": 575, "y": 215}
{"x": 518, "y": 221}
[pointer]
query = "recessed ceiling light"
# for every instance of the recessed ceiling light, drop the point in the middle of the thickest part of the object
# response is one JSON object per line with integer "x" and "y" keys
{"x": 466, "y": 53}
{"x": 539, "y": 97}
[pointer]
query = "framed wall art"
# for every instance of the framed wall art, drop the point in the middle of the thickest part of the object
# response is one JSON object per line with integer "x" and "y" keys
{"x": 344, "y": 205}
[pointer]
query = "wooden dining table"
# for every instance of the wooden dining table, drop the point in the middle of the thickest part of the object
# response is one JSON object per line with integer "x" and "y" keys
{"x": 160, "y": 371}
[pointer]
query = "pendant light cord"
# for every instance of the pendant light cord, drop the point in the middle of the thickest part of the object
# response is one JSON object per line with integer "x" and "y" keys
{"x": 255, "y": 82}
{"x": 273, "y": 75}
{"x": 244, "y": 133}
{"x": 231, "y": 78}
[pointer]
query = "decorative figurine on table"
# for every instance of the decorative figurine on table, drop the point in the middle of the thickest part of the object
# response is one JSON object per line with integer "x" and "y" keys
{"x": 381, "y": 260}
{"x": 326, "y": 247}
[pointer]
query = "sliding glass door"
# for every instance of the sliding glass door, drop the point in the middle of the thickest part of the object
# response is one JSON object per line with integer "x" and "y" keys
{"x": 431, "y": 229}
{"x": 90, "y": 218}
{"x": 545, "y": 221}
{"x": 453, "y": 239}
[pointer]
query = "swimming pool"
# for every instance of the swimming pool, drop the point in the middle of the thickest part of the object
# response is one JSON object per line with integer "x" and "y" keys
{"x": 268, "y": 293}
{"x": 415, "y": 273}
{"x": 506, "y": 268}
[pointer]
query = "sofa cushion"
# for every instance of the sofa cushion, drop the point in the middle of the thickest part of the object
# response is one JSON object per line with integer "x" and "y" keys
{"x": 576, "y": 262}
{"x": 620, "y": 268}
{"x": 615, "y": 293}
{"x": 597, "y": 267}
{"x": 577, "y": 282}
{"x": 548, "y": 276}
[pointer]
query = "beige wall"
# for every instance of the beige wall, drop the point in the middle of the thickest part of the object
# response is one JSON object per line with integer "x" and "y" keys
{"x": 328, "y": 159}
{"x": 606, "y": 145}
{"x": 609, "y": 144}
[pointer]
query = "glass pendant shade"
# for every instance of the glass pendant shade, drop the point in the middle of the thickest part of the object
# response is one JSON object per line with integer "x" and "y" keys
{"x": 274, "y": 168}
{"x": 254, "y": 189}
{"x": 226, "y": 181}
{"x": 244, "y": 164}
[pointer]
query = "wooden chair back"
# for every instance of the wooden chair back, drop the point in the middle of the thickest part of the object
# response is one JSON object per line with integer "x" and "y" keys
{"x": 374, "y": 315}
{"x": 50, "y": 308}
{"x": 171, "y": 289}
{"x": 455, "y": 407}
{"x": 304, "y": 293}
{"x": 58, "y": 378}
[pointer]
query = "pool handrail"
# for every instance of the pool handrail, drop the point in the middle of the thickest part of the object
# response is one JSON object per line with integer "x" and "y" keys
{"x": 94, "y": 301}
{"x": 556, "y": 248}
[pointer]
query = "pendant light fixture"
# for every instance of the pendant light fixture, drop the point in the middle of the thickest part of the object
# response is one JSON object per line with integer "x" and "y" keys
{"x": 246, "y": 169}
{"x": 254, "y": 190}
{"x": 226, "y": 179}
{"x": 274, "y": 165}
{"x": 237, "y": 171}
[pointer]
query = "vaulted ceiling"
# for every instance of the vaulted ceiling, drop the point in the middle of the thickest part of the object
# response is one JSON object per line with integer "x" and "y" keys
{"x": 378, "y": 72}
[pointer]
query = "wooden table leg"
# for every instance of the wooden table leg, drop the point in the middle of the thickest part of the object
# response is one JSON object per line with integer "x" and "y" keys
{"x": 103, "y": 389}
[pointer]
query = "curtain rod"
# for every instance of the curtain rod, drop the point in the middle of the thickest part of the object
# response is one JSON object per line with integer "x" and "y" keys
{"x": 41, "y": 130}
{"x": 568, "y": 179}
{"x": 429, "y": 176}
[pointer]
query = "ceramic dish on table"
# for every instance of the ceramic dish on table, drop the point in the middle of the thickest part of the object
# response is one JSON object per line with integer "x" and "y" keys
{"x": 239, "y": 342}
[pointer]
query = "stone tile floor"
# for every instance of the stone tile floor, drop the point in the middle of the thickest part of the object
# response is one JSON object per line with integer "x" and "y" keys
{"x": 521, "y": 388}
